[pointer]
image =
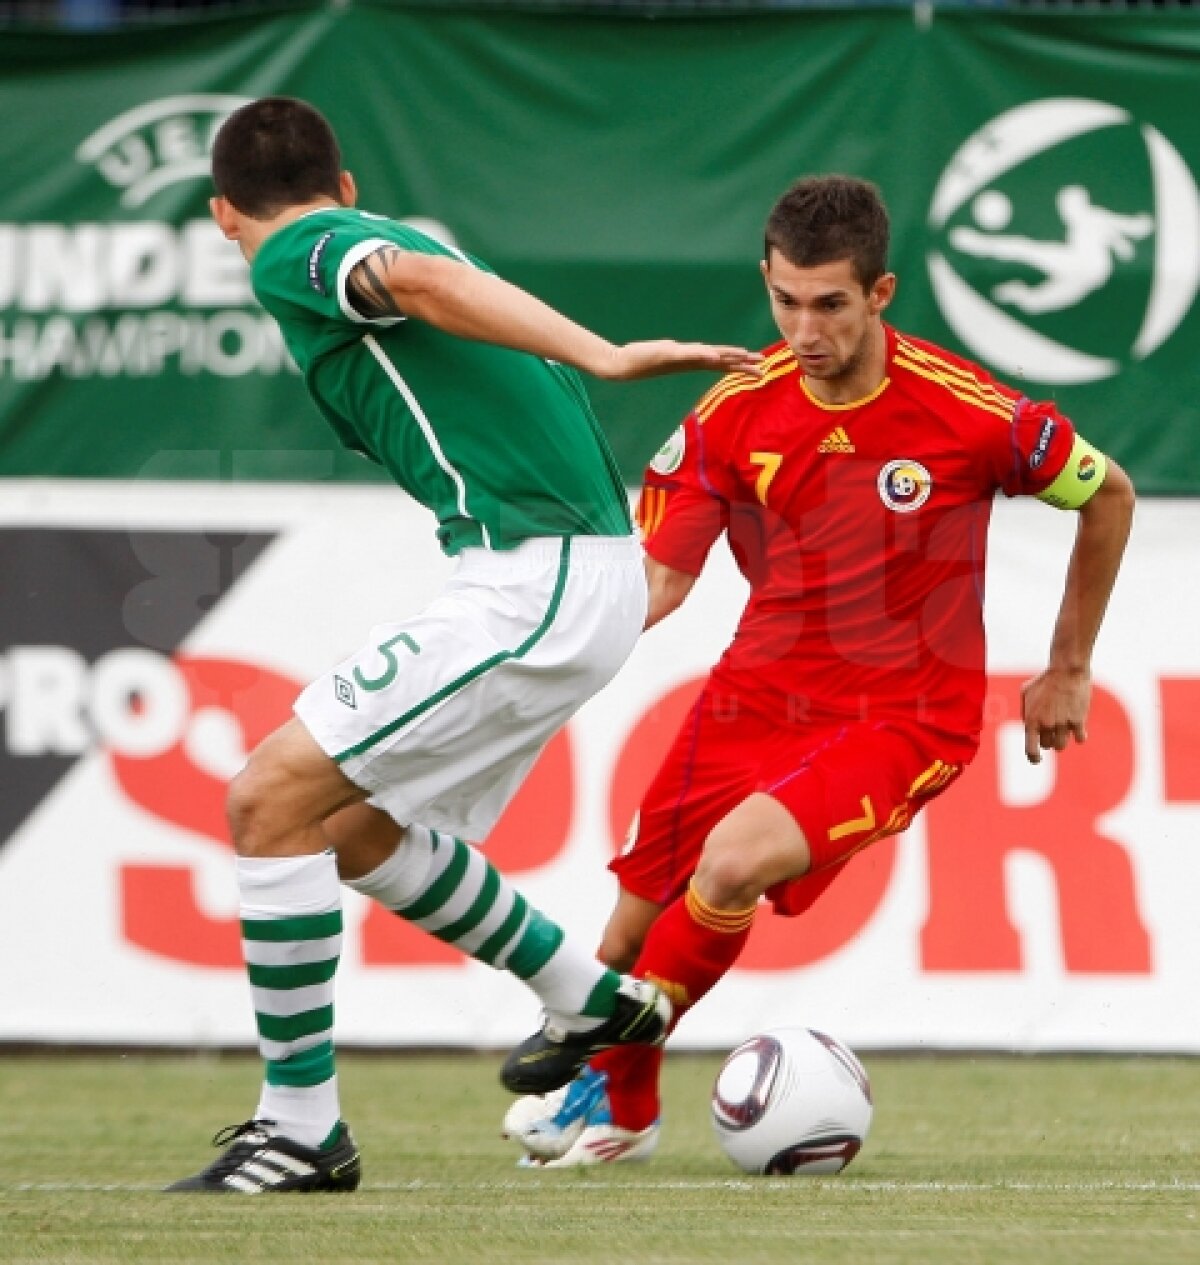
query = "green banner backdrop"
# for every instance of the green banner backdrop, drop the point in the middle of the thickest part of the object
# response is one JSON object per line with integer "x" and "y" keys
{"x": 1041, "y": 171}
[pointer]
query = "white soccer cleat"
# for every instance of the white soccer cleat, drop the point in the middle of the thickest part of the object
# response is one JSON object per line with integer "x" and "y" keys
{"x": 547, "y": 1125}
{"x": 610, "y": 1144}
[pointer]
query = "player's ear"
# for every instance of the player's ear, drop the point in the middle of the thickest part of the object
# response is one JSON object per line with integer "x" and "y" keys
{"x": 347, "y": 189}
{"x": 882, "y": 293}
{"x": 225, "y": 216}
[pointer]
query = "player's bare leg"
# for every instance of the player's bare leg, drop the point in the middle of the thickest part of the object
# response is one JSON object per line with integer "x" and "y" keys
{"x": 755, "y": 846}
{"x": 362, "y": 838}
{"x": 687, "y": 950}
{"x": 626, "y": 930}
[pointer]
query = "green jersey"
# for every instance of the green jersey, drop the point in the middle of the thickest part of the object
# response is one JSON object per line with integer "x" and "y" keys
{"x": 500, "y": 445}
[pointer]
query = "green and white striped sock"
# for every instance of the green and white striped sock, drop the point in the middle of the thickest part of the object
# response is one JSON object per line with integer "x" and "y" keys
{"x": 291, "y": 913}
{"x": 451, "y": 890}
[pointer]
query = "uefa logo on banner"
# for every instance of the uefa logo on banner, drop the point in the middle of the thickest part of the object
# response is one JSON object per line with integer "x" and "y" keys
{"x": 157, "y": 144}
{"x": 1066, "y": 241}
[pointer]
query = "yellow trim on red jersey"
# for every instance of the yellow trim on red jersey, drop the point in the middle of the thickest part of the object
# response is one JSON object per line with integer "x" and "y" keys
{"x": 930, "y": 773}
{"x": 963, "y": 375}
{"x": 660, "y": 512}
{"x": 652, "y": 509}
{"x": 841, "y": 408}
{"x": 958, "y": 381}
{"x": 741, "y": 379}
{"x": 738, "y": 383}
{"x": 900, "y": 820}
{"x": 933, "y": 779}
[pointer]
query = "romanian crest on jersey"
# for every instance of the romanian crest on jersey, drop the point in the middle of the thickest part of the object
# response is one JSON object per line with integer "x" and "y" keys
{"x": 904, "y": 485}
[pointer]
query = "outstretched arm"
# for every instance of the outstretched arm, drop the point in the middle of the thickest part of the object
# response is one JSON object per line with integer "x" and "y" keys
{"x": 1055, "y": 703}
{"x": 470, "y": 303}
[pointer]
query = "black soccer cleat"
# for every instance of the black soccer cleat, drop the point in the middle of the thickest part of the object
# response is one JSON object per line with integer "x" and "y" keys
{"x": 550, "y": 1058}
{"x": 256, "y": 1162}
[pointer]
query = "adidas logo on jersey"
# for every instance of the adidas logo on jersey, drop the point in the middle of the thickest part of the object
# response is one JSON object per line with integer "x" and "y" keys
{"x": 836, "y": 441}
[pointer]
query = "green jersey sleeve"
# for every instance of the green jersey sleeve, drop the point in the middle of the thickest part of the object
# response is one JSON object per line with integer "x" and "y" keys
{"x": 300, "y": 272}
{"x": 331, "y": 259}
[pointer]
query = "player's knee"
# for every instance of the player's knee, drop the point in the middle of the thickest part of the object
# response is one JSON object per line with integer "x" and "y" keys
{"x": 728, "y": 877}
{"x": 253, "y": 823}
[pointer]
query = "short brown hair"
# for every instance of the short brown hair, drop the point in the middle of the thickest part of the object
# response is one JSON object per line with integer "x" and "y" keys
{"x": 275, "y": 153}
{"x": 821, "y": 219}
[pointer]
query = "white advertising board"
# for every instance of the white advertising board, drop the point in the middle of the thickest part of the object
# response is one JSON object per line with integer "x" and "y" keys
{"x": 152, "y": 633}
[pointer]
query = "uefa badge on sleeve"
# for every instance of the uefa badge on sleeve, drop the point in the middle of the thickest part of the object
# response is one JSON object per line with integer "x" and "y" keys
{"x": 669, "y": 457}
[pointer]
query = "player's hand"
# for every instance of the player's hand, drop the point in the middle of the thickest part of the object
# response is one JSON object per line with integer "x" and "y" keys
{"x": 1054, "y": 707}
{"x": 648, "y": 359}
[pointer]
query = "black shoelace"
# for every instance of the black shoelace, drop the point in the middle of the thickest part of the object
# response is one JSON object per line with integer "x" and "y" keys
{"x": 238, "y": 1153}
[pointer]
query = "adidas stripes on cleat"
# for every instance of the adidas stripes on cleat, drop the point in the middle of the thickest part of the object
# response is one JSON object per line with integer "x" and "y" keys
{"x": 606, "y": 1143}
{"x": 550, "y": 1058}
{"x": 256, "y": 1161}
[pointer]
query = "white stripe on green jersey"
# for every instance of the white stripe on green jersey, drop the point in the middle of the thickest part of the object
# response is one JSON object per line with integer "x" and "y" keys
{"x": 426, "y": 429}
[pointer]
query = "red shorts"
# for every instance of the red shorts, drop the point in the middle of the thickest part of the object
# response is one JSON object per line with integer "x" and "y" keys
{"x": 845, "y": 784}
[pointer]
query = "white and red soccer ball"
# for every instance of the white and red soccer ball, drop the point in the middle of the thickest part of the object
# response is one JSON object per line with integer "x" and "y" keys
{"x": 791, "y": 1100}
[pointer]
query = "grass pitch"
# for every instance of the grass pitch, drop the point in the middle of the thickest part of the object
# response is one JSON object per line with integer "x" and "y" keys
{"x": 971, "y": 1160}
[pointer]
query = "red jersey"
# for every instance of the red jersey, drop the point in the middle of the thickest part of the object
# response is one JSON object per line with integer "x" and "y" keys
{"x": 862, "y": 529}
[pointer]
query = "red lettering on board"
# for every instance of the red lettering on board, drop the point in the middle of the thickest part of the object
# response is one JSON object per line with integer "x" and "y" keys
{"x": 972, "y": 831}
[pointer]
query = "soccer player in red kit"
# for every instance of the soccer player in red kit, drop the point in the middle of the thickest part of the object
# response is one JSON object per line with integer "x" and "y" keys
{"x": 854, "y": 479}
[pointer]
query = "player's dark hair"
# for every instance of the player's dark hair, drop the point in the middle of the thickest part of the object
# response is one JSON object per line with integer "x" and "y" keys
{"x": 275, "y": 153}
{"x": 822, "y": 219}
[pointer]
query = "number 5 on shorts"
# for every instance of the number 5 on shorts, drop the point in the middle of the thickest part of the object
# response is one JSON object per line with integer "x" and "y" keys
{"x": 372, "y": 684}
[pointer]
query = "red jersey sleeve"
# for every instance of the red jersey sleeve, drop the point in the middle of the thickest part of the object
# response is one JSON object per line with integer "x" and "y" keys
{"x": 1041, "y": 441}
{"x": 685, "y": 499}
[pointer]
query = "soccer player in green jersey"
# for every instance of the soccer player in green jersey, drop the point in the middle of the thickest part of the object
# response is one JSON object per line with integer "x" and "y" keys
{"x": 465, "y": 389}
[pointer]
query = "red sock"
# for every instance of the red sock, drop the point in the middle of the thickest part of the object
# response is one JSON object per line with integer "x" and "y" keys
{"x": 688, "y": 949}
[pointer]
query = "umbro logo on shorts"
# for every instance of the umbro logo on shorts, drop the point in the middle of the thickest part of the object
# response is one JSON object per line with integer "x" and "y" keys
{"x": 836, "y": 441}
{"x": 344, "y": 692}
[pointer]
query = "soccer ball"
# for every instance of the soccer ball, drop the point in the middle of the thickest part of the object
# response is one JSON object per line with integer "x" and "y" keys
{"x": 791, "y": 1100}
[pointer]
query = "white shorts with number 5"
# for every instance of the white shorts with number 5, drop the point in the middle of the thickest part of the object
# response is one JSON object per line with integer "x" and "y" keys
{"x": 441, "y": 716}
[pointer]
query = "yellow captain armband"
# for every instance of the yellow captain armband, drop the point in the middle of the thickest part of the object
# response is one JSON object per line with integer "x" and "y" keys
{"x": 1079, "y": 479}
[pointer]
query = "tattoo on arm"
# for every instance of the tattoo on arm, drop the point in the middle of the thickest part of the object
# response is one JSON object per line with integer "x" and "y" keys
{"x": 366, "y": 288}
